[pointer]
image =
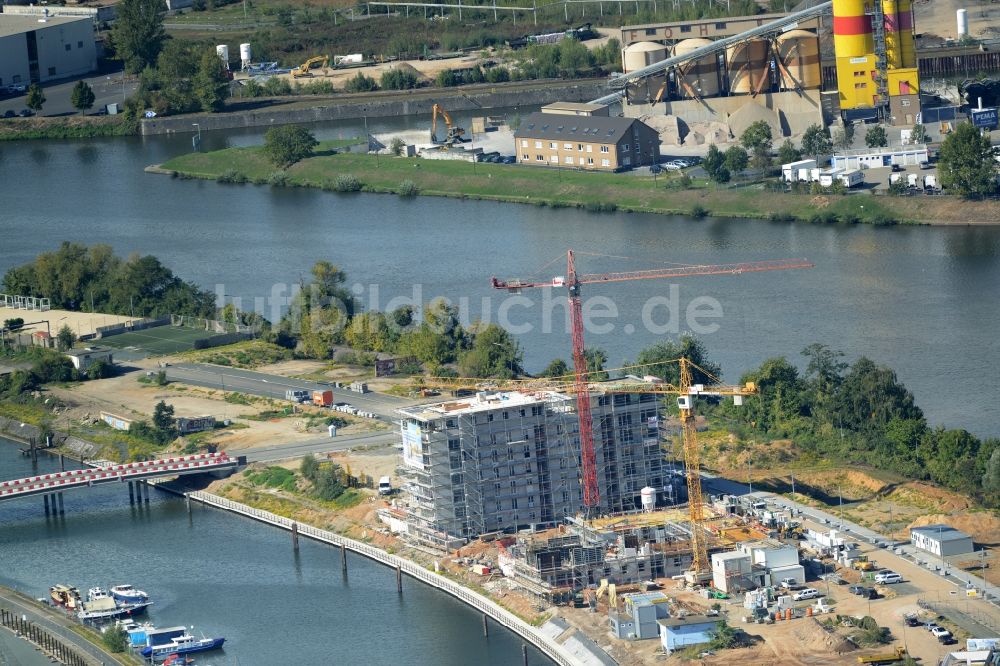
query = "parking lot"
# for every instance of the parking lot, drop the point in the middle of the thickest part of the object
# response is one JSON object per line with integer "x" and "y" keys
{"x": 108, "y": 88}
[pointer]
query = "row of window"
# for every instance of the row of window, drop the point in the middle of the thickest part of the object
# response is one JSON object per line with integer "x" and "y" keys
{"x": 721, "y": 25}
{"x": 79, "y": 45}
{"x": 554, "y": 159}
{"x": 581, "y": 147}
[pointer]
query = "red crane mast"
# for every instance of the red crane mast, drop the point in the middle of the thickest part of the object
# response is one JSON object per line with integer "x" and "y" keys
{"x": 572, "y": 282}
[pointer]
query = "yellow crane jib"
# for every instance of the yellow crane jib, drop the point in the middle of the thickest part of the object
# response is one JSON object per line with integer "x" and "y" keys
{"x": 454, "y": 134}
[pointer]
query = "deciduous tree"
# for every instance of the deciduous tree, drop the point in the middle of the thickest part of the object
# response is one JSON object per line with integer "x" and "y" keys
{"x": 876, "y": 137}
{"x": 967, "y": 162}
{"x": 82, "y": 97}
{"x": 287, "y": 144}
{"x": 138, "y": 33}
{"x": 36, "y": 98}
{"x": 816, "y": 142}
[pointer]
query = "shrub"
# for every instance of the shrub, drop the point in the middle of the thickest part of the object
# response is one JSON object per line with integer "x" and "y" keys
{"x": 408, "y": 188}
{"x": 398, "y": 79}
{"x": 346, "y": 182}
{"x": 277, "y": 87}
{"x": 278, "y": 179}
{"x": 698, "y": 211}
{"x": 360, "y": 83}
{"x": 315, "y": 88}
{"x": 396, "y": 146}
{"x": 233, "y": 177}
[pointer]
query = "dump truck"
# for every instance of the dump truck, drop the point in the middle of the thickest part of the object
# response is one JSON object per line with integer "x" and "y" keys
{"x": 885, "y": 658}
{"x": 322, "y": 398}
{"x": 862, "y": 564}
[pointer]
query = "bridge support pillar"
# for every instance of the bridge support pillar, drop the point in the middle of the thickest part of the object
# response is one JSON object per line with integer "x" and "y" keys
{"x": 145, "y": 491}
{"x": 343, "y": 559}
{"x": 187, "y": 500}
{"x": 486, "y": 627}
{"x": 295, "y": 536}
{"x": 399, "y": 579}
{"x": 62, "y": 463}
{"x": 524, "y": 653}
{"x": 61, "y": 507}
{"x": 46, "y": 498}
{"x": 131, "y": 493}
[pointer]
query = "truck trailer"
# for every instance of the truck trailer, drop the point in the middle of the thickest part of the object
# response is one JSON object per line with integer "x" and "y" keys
{"x": 322, "y": 398}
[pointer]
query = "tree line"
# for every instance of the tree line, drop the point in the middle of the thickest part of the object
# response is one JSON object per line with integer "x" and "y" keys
{"x": 94, "y": 279}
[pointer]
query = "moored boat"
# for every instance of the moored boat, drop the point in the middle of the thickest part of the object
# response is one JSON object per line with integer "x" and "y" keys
{"x": 101, "y": 606}
{"x": 128, "y": 594}
{"x": 177, "y": 640}
{"x": 65, "y": 595}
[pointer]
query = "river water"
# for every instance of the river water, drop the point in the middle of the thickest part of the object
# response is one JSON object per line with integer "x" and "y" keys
{"x": 922, "y": 300}
{"x": 227, "y": 575}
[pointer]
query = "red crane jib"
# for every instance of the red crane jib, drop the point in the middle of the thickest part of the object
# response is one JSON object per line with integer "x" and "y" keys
{"x": 572, "y": 282}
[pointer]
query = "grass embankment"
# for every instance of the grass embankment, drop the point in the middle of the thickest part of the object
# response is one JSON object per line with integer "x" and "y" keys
{"x": 557, "y": 188}
{"x": 249, "y": 354}
{"x": 68, "y": 127}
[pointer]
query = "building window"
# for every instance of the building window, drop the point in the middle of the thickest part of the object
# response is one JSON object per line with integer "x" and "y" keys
{"x": 605, "y": 149}
{"x": 454, "y": 444}
{"x": 581, "y": 161}
{"x": 720, "y": 26}
{"x": 590, "y": 160}
{"x": 524, "y": 143}
{"x": 605, "y": 163}
{"x": 625, "y": 146}
{"x": 69, "y": 46}
{"x": 567, "y": 146}
{"x": 538, "y": 144}
{"x": 554, "y": 159}
{"x": 627, "y": 161}
{"x": 525, "y": 156}
{"x": 579, "y": 147}
{"x": 650, "y": 31}
{"x": 52, "y": 71}
{"x": 552, "y": 145}
{"x": 79, "y": 45}
{"x": 860, "y": 86}
{"x": 540, "y": 158}
{"x": 685, "y": 28}
{"x": 568, "y": 160}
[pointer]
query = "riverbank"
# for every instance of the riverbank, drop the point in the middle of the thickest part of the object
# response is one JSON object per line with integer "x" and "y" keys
{"x": 592, "y": 191}
{"x": 66, "y": 127}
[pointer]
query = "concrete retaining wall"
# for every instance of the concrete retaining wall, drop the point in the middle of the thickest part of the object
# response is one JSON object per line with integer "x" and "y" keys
{"x": 388, "y": 105}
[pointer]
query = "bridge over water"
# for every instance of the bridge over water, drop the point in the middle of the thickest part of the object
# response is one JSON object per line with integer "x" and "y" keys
{"x": 134, "y": 474}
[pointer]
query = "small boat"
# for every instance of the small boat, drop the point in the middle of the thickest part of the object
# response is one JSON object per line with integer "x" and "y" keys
{"x": 136, "y": 631}
{"x": 66, "y": 596}
{"x": 177, "y": 640}
{"x": 101, "y": 606}
{"x": 128, "y": 594}
{"x": 178, "y": 660}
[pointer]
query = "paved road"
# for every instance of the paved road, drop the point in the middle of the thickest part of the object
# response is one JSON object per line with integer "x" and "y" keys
{"x": 55, "y": 623}
{"x": 274, "y": 386}
{"x": 107, "y": 89}
{"x": 318, "y": 445}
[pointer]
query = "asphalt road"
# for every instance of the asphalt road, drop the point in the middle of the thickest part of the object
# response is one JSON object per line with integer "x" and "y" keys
{"x": 318, "y": 446}
{"x": 274, "y": 386}
{"x": 107, "y": 89}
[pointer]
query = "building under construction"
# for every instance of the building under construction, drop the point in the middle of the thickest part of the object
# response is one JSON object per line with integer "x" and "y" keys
{"x": 575, "y": 556}
{"x": 504, "y": 461}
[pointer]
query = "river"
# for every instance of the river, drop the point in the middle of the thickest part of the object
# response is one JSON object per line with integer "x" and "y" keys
{"x": 922, "y": 300}
{"x": 228, "y": 575}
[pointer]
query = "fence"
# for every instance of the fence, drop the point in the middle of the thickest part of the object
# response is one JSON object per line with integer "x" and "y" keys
{"x": 554, "y": 651}
{"x": 129, "y": 326}
{"x": 49, "y": 643}
{"x": 960, "y": 610}
{"x": 24, "y": 302}
{"x": 211, "y": 325}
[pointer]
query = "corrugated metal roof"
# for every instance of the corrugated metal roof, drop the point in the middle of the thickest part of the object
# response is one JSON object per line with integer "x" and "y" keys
{"x": 14, "y": 24}
{"x": 586, "y": 129}
{"x": 940, "y": 532}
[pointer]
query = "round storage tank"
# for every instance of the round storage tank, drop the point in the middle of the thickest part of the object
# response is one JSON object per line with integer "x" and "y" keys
{"x": 223, "y": 52}
{"x": 697, "y": 78}
{"x": 962, "y": 17}
{"x": 639, "y": 55}
{"x": 648, "y": 498}
{"x": 798, "y": 51}
{"x": 245, "y": 54}
{"x": 749, "y": 67}
{"x": 907, "y": 46}
{"x": 852, "y": 29}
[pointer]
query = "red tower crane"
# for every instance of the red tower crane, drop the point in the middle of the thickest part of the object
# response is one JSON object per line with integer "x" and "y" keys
{"x": 572, "y": 282}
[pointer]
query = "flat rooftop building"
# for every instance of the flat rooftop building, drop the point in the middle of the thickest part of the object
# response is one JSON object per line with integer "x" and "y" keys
{"x": 941, "y": 540}
{"x": 36, "y": 49}
{"x": 510, "y": 460}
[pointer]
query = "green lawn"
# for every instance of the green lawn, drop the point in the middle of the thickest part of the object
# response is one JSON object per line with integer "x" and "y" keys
{"x": 551, "y": 187}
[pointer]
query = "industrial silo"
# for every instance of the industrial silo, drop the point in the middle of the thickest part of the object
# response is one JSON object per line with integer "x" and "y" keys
{"x": 641, "y": 54}
{"x": 223, "y": 52}
{"x": 697, "y": 78}
{"x": 852, "y": 29}
{"x": 798, "y": 53}
{"x": 907, "y": 46}
{"x": 749, "y": 67}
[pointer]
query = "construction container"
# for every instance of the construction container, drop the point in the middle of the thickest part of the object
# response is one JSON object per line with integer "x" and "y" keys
{"x": 798, "y": 60}
{"x": 322, "y": 398}
{"x": 642, "y": 54}
{"x": 697, "y": 78}
{"x": 749, "y": 67}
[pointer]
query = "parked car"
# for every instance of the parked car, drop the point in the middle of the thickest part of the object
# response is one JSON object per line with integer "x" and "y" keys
{"x": 672, "y": 166}
{"x": 26, "y": 113}
{"x": 888, "y": 578}
{"x": 17, "y": 88}
{"x": 940, "y": 632}
{"x": 912, "y": 621}
{"x": 10, "y": 114}
{"x": 508, "y": 159}
{"x": 947, "y": 640}
{"x": 808, "y": 593}
{"x": 931, "y": 626}
{"x": 857, "y": 589}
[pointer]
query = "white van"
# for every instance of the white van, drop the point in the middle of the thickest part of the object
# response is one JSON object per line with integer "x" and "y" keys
{"x": 808, "y": 593}
{"x": 384, "y": 486}
{"x": 888, "y": 578}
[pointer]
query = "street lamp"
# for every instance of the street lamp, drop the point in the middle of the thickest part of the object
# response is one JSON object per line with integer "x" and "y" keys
{"x": 196, "y": 140}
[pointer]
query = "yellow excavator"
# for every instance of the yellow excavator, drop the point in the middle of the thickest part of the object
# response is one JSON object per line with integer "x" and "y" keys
{"x": 305, "y": 69}
{"x": 455, "y": 133}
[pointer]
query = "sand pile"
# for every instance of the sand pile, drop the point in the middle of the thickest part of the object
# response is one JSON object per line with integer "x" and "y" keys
{"x": 984, "y": 527}
{"x": 812, "y": 637}
{"x": 748, "y": 114}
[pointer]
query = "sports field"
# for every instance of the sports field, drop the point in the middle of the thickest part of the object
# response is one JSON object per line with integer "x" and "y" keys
{"x": 159, "y": 340}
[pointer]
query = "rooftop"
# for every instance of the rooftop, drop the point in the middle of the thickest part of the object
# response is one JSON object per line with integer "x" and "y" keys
{"x": 87, "y": 350}
{"x": 574, "y": 106}
{"x": 646, "y": 598}
{"x": 675, "y": 622}
{"x": 11, "y": 24}
{"x": 940, "y": 532}
{"x": 483, "y": 401}
{"x": 591, "y": 129}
